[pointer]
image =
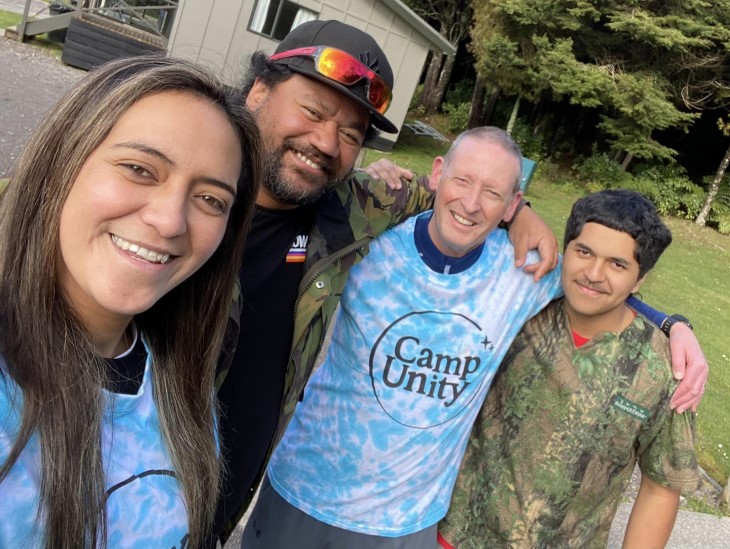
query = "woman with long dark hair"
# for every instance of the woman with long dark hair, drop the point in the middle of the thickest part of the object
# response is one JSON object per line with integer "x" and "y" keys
{"x": 120, "y": 236}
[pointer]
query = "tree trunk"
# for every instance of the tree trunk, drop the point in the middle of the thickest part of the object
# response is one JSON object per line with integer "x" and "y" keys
{"x": 432, "y": 75}
{"x": 725, "y": 498}
{"x": 711, "y": 193}
{"x": 536, "y": 115}
{"x": 491, "y": 105}
{"x": 434, "y": 69}
{"x": 438, "y": 93}
{"x": 513, "y": 116}
{"x": 557, "y": 125}
{"x": 627, "y": 160}
{"x": 476, "y": 111}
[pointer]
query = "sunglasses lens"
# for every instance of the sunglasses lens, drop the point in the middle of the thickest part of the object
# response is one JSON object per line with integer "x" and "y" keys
{"x": 347, "y": 70}
{"x": 340, "y": 66}
{"x": 379, "y": 94}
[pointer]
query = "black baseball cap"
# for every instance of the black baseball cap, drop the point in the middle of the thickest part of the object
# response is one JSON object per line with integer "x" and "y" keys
{"x": 347, "y": 38}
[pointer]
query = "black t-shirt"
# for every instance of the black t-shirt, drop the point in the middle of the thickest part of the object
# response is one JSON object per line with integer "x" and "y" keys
{"x": 125, "y": 373}
{"x": 250, "y": 397}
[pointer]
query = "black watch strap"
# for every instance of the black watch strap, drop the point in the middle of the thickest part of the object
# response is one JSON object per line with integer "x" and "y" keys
{"x": 670, "y": 321}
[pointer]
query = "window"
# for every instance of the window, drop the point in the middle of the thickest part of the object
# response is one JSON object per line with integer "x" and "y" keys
{"x": 275, "y": 18}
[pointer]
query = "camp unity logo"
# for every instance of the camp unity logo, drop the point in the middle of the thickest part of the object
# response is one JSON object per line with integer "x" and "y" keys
{"x": 427, "y": 366}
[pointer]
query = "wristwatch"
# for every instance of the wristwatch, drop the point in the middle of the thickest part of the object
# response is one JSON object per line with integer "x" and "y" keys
{"x": 670, "y": 321}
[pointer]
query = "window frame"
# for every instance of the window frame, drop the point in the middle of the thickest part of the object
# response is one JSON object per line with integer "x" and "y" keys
{"x": 274, "y": 25}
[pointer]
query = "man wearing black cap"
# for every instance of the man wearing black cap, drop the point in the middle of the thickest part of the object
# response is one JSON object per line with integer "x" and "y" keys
{"x": 317, "y": 100}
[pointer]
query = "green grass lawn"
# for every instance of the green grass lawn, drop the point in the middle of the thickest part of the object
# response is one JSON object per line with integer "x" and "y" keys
{"x": 415, "y": 152}
{"x": 691, "y": 278}
{"x": 8, "y": 19}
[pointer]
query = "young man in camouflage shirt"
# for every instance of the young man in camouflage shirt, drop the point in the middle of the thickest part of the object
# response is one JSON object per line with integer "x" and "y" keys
{"x": 581, "y": 396}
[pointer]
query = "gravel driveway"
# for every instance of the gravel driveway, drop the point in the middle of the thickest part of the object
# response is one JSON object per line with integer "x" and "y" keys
{"x": 30, "y": 82}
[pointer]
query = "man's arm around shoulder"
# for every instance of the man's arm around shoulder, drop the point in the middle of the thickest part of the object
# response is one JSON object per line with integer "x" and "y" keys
{"x": 387, "y": 206}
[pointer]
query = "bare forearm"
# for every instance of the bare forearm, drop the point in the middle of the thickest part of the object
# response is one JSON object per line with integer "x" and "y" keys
{"x": 652, "y": 517}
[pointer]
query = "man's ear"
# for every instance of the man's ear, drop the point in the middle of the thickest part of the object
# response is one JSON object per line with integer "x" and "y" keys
{"x": 257, "y": 95}
{"x": 437, "y": 169}
{"x": 512, "y": 207}
{"x": 638, "y": 284}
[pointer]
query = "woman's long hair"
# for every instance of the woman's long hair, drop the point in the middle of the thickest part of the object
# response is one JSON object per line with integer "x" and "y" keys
{"x": 49, "y": 353}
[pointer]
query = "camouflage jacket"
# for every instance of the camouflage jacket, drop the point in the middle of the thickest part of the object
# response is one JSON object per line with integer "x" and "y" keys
{"x": 559, "y": 433}
{"x": 344, "y": 225}
{"x": 345, "y": 222}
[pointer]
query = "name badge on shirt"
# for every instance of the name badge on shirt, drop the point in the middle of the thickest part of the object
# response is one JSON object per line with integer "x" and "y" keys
{"x": 631, "y": 408}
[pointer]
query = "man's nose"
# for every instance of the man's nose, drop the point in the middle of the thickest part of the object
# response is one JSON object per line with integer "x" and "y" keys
{"x": 327, "y": 139}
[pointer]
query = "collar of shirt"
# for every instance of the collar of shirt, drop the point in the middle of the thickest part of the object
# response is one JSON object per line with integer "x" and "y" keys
{"x": 434, "y": 258}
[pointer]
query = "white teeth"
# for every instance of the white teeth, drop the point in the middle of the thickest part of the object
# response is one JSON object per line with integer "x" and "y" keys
{"x": 308, "y": 162}
{"x": 463, "y": 220}
{"x": 143, "y": 253}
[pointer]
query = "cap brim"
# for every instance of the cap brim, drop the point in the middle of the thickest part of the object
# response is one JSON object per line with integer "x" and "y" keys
{"x": 376, "y": 119}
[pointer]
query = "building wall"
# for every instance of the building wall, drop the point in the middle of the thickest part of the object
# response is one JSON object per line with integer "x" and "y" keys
{"x": 215, "y": 33}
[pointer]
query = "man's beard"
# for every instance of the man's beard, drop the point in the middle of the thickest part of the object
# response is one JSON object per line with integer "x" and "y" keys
{"x": 285, "y": 191}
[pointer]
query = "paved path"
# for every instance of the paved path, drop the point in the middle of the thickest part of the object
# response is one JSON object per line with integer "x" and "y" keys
{"x": 691, "y": 531}
{"x": 31, "y": 81}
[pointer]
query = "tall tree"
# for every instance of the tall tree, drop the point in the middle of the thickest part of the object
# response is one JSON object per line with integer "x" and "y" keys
{"x": 452, "y": 19}
{"x": 631, "y": 60}
{"x": 713, "y": 190}
{"x": 476, "y": 111}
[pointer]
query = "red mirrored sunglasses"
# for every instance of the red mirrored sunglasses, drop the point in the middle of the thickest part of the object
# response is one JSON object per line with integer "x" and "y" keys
{"x": 342, "y": 67}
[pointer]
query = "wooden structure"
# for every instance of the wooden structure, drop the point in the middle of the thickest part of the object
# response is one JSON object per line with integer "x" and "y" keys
{"x": 102, "y": 30}
{"x": 92, "y": 40}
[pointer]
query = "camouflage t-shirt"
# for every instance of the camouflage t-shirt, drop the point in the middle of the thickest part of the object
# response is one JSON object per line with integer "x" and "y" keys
{"x": 558, "y": 436}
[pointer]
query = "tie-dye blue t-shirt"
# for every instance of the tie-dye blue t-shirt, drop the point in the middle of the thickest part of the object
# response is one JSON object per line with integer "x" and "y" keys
{"x": 376, "y": 444}
{"x": 145, "y": 507}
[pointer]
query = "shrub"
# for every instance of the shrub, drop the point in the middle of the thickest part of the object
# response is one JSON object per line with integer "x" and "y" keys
{"x": 723, "y": 224}
{"x": 547, "y": 170}
{"x": 598, "y": 171}
{"x": 457, "y": 116}
{"x": 459, "y": 93}
{"x": 530, "y": 144}
{"x": 670, "y": 189}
